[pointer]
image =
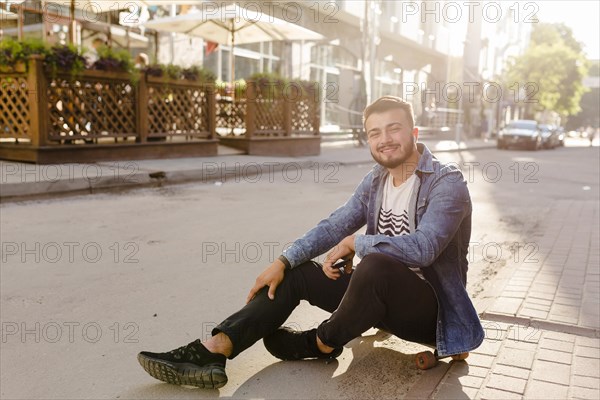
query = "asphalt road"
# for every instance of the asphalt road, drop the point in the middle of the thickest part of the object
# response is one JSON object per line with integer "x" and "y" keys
{"x": 89, "y": 281}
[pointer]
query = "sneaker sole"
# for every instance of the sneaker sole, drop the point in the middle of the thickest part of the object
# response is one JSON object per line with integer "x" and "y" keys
{"x": 207, "y": 377}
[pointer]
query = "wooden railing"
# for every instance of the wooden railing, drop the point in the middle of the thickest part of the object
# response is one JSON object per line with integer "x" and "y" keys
{"x": 38, "y": 111}
{"x": 255, "y": 115}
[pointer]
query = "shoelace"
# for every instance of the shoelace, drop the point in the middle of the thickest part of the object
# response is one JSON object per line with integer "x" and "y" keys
{"x": 182, "y": 351}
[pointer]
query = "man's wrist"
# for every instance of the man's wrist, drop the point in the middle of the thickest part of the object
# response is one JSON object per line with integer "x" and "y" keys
{"x": 285, "y": 261}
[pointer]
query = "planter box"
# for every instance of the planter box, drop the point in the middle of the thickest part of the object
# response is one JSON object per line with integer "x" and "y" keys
{"x": 102, "y": 115}
{"x": 295, "y": 146}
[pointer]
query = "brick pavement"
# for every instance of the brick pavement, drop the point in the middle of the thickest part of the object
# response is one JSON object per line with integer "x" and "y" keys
{"x": 543, "y": 330}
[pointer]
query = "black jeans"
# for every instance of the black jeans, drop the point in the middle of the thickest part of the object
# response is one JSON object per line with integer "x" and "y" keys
{"x": 381, "y": 292}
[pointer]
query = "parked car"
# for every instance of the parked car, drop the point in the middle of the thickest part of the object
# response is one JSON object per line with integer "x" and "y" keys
{"x": 520, "y": 133}
{"x": 549, "y": 136}
{"x": 561, "y": 136}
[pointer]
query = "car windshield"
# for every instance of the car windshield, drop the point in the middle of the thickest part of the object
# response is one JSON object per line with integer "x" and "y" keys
{"x": 522, "y": 125}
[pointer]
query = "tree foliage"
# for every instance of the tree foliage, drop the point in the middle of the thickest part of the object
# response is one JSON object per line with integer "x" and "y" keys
{"x": 555, "y": 64}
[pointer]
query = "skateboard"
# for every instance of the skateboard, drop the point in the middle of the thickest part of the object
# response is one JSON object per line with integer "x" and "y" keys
{"x": 427, "y": 359}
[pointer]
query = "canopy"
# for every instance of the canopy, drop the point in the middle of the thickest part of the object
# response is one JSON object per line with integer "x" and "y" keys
{"x": 232, "y": 24}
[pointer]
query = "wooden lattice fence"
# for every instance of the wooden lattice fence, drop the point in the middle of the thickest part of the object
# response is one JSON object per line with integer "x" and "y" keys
{"x": 179, "y": 108}
{"x": 100, "y": 115}
{"x": 92, "y": 106}
{"x": 284, "y": 124}
{"x": 14, "y": 107}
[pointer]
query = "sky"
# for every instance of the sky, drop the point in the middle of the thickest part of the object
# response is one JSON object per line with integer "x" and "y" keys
{"x": 581, "y": 16}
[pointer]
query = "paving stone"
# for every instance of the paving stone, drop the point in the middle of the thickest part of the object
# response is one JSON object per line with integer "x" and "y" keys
{"x": 563, "y": 337}
{"x": 452, "y": 391}
{"x": 589, "y": 352}
{"x": 539, "y": 295}
{"x": 508, "y": 383}
{"x": 554, "y": 356}
{"x": 513, "y": 343}
{"x": 537, "y": 287}
{"x": 493, "y": 332}
{"x": 518, "y": 284}
{"x": 567, "y": 301}
{"x": 535, "y": 306}
{"x": 543, "y": 302}
{"x": 525, "y": 334}
{"x": 467, "y": 380}
{"x": 494, "y": 394}
{"x": 508, "y": 370}
{"x": 558, "y": 345}
{"x": 588, "y": 342}
{"x": 464, "y": 368}
{"x": 490, "y": 347}
{"x": 568, "y": 295}
{"x": 516, "y": 357}
{"x": 559, "y": 309}
{"x": 545, "y": 390}
{"x": 480, "y": 360}
{"x": 584, "y": 393}
{"x": 495, "y": 325}
{"x": 521, "y": 294}
{"x": 551, "y": 372}
{"x": 530, "y": 312}
{"x": 586, "y": 366}
{"x": 563, "y": 319}
{"x": 589, "y": 322}
{"x": 585, "y": 381}
{"x": 504, "y": 305}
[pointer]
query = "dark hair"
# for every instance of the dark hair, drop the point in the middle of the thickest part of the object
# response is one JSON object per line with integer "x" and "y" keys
{"x": 387, "y": 103}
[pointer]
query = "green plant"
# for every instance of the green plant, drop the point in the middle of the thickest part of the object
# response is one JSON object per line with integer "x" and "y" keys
{"x": 34, "y": 46}
{"x": 11, "y": 51}
{"x": 65, "y": 58}
{"x": 199, "y": 74}
{"x": 269, "y": 84}
{"x": 173, "y": 71}
{"x": 157, "y": 70}
{"x": 308, "y": 88}
{"x": 225, "y": 89}
{"x": 110, "y": 59}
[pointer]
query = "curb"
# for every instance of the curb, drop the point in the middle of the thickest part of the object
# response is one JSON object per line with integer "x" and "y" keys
{"x": 155, "y": 178}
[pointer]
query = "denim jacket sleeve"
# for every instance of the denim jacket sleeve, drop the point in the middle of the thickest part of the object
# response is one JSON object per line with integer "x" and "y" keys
{"x": 344, "y": 221}
{"x": 446, "y": 205}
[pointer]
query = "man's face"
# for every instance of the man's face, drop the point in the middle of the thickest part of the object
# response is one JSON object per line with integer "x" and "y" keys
{"x": 391, "y": 137}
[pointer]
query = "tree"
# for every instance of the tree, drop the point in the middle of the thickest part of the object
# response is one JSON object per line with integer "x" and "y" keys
{"x": 590, "y": 103}
{"x": 551, "y": 70}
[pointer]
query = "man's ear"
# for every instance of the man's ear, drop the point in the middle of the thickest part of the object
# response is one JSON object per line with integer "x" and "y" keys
{"x": 415, "y": 134}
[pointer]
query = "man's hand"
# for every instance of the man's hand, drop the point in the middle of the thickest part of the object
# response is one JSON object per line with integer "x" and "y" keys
{"x": 345, "y": 251}
{"x": 271, "y": 277}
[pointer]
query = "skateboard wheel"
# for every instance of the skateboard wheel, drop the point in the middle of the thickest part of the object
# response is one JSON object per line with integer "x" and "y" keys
{"x": 425, "y": 360}
{"x": 461, "y": 356}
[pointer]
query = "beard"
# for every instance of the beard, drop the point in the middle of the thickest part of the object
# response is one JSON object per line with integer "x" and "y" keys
{"x": 397, "y": 160}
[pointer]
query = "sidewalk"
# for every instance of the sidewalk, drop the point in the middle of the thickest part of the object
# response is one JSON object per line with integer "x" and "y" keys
{"x": 543, "y": 328}
{"x": 21, "y": 180}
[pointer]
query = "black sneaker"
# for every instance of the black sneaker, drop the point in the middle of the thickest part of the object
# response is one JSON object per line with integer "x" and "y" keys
{"x": 288, "y": 344}
{"x": 191, "y": 364}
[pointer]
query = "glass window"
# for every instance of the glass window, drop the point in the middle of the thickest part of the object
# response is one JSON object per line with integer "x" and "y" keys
{"x": 33, "y": 25}
{"x": 211, "y": 61}
{"x": 249, "y": 46}
{"x": 244, "y": 67}
{"x": 225, "y": 67}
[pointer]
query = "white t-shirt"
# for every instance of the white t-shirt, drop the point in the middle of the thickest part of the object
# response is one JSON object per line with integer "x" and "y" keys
{"x": 394, "y": 216}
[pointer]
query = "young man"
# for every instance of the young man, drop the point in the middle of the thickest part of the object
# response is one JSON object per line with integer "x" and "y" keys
{"x": 410, "y": 281}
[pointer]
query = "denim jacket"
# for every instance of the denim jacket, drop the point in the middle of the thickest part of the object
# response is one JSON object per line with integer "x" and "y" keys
{"x": 440, "y": 211}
